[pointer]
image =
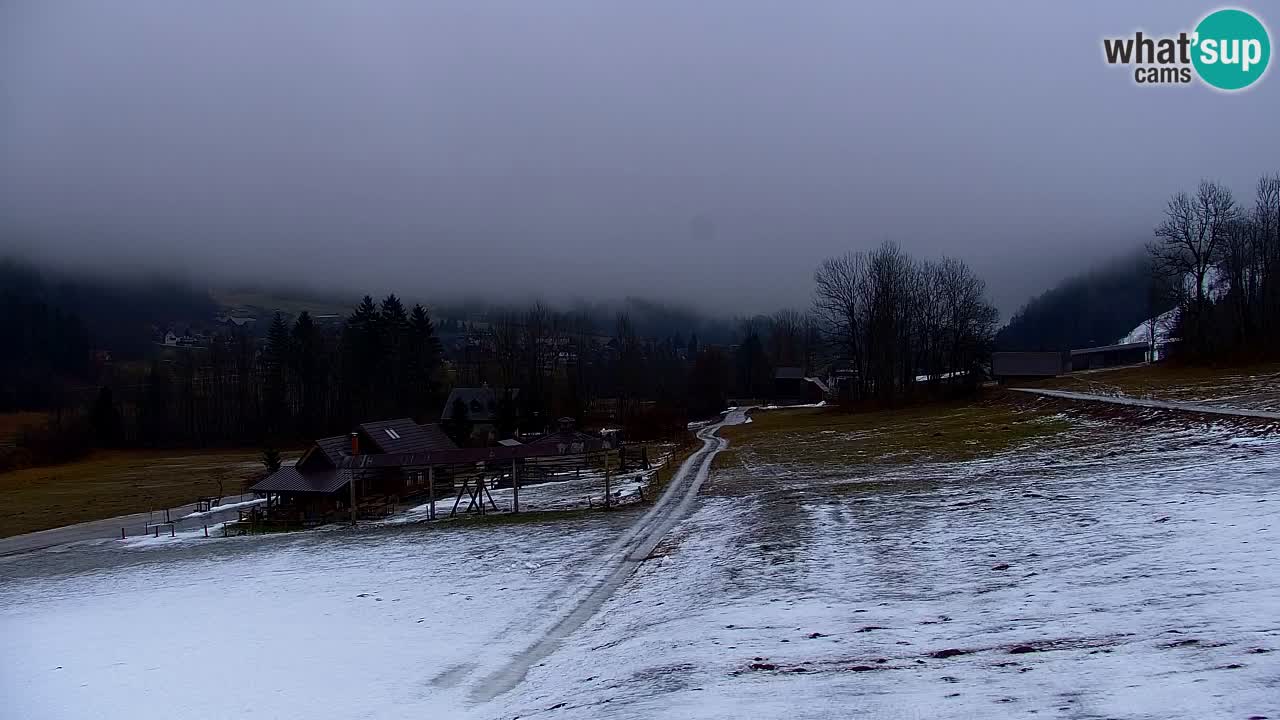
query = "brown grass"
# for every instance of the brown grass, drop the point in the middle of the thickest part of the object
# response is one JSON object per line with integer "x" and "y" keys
{"x": 11, "y": 423}
{"x": 950, "y": 431}
{"x": 111, "y": 483}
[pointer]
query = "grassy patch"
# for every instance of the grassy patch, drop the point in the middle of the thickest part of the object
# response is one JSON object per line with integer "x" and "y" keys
{"x": 925, "y": 432}
{"x": 111, "y": 483}
{"x": 725, "y": 458}
{"x": 11, "y": 423}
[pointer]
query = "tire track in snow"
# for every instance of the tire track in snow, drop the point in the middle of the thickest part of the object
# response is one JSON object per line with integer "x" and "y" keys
{"x": 621, "y": 559}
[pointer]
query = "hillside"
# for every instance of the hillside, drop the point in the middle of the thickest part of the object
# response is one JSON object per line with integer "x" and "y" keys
{"x": 1094, "y": 308}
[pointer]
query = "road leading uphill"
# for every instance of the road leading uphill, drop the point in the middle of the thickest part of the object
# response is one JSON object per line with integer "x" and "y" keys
{"x": 621, "y": 559}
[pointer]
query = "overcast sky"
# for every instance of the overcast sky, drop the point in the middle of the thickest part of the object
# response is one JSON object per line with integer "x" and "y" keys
{"x": 710, "y": 152}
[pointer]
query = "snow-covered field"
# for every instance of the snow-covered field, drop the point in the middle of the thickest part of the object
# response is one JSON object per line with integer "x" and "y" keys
{"x": 1125, "y": 577}
{"x": 337, "y": 624}
{"x": 1117, "y": 569}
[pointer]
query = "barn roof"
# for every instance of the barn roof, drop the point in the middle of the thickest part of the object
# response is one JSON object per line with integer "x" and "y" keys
{"x": 1110, "y": 348}
{"x": 289, "y": 480}
{"x": 403, "y": 435}
{"x": 334, "y": 448}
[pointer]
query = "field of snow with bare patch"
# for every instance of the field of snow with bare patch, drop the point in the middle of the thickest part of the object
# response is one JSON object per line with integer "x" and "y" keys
{"x": 1115, "y": 569}
{"x": 1253, "y": 388}
{"x": 1096, "y": 575}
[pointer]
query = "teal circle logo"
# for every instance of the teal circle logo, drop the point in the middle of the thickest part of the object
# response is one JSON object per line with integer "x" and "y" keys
{"x": 1232, "y": 49}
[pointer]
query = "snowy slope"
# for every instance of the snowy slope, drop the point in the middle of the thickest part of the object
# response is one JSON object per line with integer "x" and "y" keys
{"x": 1122, "y": 575}
{"x": 1164, "y": 329}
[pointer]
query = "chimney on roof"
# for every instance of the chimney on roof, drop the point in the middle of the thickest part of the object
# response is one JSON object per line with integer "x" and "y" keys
{"x": 355, "y": 443}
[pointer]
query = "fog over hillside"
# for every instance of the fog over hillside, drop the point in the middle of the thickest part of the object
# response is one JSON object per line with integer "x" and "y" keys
{"x": 707, "y": 153}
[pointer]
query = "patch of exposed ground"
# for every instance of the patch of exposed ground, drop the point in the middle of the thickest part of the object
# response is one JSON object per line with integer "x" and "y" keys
{"x": 957, "y": 431}
{"x": 111, "y": 483}
{"x": 1101, "y": 562}
{"x": 12, "y": 423}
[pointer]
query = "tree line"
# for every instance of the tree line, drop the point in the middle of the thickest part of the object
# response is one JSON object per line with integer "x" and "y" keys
{"x": 889, "y": 319}
{"x": 1094, "y": 308}
{"x": 1221, "y": 260}
{"x": 302, "y": 382}
{"x": 881, "y": 316}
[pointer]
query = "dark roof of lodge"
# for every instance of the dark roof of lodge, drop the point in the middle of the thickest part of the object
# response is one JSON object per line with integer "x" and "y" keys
{"x": 403, "y": 435}
{"x": 789, "y": 373}
{"x": 289, "y": 480}
{"x": 334, "y": 448}
{"x": 1111, "y": 348}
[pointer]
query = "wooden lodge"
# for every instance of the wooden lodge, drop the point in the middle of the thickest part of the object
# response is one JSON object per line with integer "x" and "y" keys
{"x": 387, "y": 462}
{"x": 318, "y": 485}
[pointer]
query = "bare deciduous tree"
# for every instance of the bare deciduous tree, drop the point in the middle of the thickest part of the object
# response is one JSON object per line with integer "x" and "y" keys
{"x": 890, "y": 318}
{"x": 1189, "y": 241}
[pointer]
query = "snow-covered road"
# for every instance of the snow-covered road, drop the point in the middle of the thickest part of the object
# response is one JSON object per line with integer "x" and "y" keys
{"x": 1202, "y": 408}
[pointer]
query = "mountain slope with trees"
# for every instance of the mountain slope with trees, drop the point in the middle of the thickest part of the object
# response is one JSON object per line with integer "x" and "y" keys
{"x": 1094, "y": 308}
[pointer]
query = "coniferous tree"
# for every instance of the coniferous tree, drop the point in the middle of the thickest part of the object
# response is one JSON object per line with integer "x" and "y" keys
{"x": 105, "y": 419}
{"x": 275, "y": 359}
{"x": 392, "y": 365}
{"x": 270, "y": 459}
{"x": 362, "y": 349}
{"x": 304, "y": 366}
{"x": 422, "y": 360}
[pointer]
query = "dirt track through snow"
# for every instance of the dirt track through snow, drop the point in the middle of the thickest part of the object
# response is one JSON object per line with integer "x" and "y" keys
{"x": 621, "y": 559}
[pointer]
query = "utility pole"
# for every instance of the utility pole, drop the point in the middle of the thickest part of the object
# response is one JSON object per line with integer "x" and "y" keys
{"x": 355, "y": 451}
{"x": 607, "y": 492}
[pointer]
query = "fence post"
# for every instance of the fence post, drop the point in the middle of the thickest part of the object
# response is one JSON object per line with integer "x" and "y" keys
{"x": 121, "y": 533}
{"x": 607, "y": 499}
{"x": 515, "y": 488}
{"x": 431, "y": 488}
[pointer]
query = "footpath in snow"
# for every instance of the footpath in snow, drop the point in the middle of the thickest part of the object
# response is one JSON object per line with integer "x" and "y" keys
{"x": 1157, "y": 404}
